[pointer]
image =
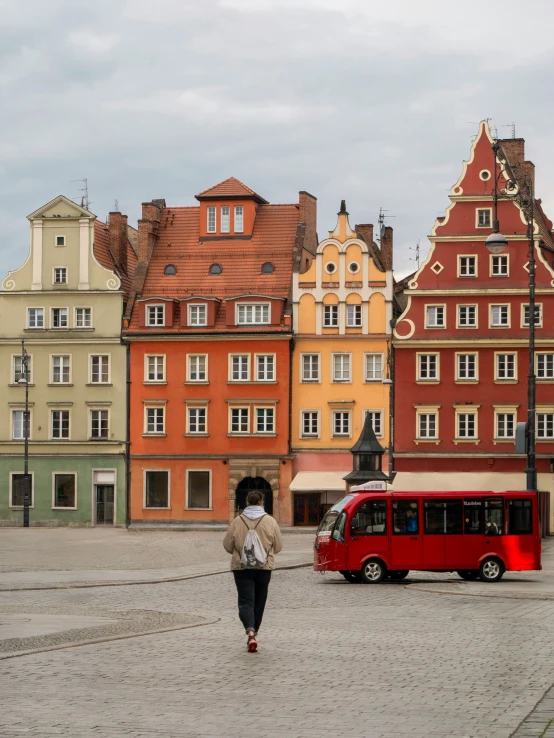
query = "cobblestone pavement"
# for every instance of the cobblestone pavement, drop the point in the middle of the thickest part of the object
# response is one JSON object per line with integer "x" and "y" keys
{"x": 336, "y": 659}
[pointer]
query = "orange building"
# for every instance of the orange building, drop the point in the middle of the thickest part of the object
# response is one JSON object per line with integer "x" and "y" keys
{"x": 209, "y": 327}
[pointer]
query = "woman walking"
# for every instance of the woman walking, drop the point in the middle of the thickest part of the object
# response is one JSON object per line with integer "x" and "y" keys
{"x": 253, "y": 538}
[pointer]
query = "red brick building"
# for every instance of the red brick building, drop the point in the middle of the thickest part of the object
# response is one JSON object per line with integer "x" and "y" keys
{"x": 209, "y": 327}
{"x": 461, "y": 344}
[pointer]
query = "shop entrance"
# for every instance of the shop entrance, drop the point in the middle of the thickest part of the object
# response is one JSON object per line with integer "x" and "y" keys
{"x": 307, "y": 509}
{"x": 248, "y": 484}
{"x": 104, "y": 504}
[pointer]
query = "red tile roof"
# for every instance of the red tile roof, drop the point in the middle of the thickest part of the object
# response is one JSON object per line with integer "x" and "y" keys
{"x": 178, "y": 243}
{"x": 105, "y": 257}
{"x": 229, "y": 188}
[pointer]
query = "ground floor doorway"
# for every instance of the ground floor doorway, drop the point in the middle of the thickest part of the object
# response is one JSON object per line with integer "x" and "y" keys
{"x": 249, "y": 484}
{"x": 105, "y": 495}
{"x": 307, "y": 509}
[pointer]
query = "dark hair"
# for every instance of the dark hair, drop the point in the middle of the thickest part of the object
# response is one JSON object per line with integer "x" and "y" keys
{"x": 255, "y": 498}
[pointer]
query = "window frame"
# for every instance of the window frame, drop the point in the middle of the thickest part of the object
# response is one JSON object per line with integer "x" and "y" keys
{"x": 479, "y": 210}
{"x": 211, "y": 210}
{"x": 538, "y": 324}
{"x": 68, "y": 473}
{"x": 357, "y": 310}
{"x": 265, "y": 408}
{"x": 13, "y": 379}
{"x": 51, "y": 424}
{"x": 144, "y": 492}
{"x": 75, "y": 320}
{"x": 341, "y": 380}
{"x": 375, "y": 411}
{"x": 210, "y": 490}
{"x": 99, "y": 410}
{"x": 303, "y": 380}
{"x": 248, "y": 420}
{"x": 154, "y": 406}
{"x": 367, "y": 356}
{"x": 147, "y": 379}
{"x": 59, "y": 245}
{"x": 537, "y": 355}
{"x": 64, "y": 271}
{"x": 317, "y": 413}
{"x": 12, "y": 424}
{"x": 62, "y": 327}
{"x": 466, "y": 410}
{"x": 459, "y": 323}
{"x": 252, "y": 306}
{"x": 458, "y": 355}
{"x": 196, "y": 306}
{"x": 348, "y": 413}
{"x": 497, "y": 377}
{"x": 189, "y": 362}
{"x": 333, "y": 314}
{"x": 225, "y": 219}
{"x": 427, "y": 411}
{"x": 507, "y": 410}
{"x": 492, "y": 257}
{"x": 238, "y": 218}
{"x": 419, "y": 356}
{"x": 248, "y": 363}
{"x": 509, "y": 315}
{"x": 192, "y": 406}
{"x": 548, "y": 410}
{"x": 435, "y": 305}
{"x": 28, "y": 323}
{"x": 475, "y": 258}
{"x": 10, "y": 491}
{"x": 265, "y": 356}
{"x": 91, "y": 373}
{"x": 154, "y": 306}
{"x": 70, "y": 369}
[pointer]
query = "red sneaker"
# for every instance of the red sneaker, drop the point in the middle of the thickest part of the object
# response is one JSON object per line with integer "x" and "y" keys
{"x": 252, "y": 644}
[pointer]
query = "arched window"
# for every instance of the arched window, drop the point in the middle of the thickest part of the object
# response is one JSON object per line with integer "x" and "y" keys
{"x": 215, "y": 269}
{"x": 268, "y": 268}
{"x": 170, "y": 270}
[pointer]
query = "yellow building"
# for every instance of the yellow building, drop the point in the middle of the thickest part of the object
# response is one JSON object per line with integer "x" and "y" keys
{"x": 342, "y": 312}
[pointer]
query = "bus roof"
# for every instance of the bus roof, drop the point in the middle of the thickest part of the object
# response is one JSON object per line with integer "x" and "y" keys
{"x": 444, "y": 493}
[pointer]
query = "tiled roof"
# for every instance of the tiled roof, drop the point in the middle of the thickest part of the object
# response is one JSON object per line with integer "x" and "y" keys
{"x": 229, "y": 188}
{"x": 105, "y": 257}
{"x": 241, "y": 261}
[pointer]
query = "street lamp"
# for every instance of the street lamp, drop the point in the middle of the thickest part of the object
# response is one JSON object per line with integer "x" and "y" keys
{"x": 388, "y": 382}
{"x": 24, "y": 379}
{"x": 522, "y": 192}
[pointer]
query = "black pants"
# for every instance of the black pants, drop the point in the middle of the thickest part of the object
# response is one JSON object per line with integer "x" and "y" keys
{"x": 252, "y": 586}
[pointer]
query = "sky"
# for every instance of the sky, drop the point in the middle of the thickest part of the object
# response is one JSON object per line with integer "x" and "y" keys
{"x": 372, "y": 102}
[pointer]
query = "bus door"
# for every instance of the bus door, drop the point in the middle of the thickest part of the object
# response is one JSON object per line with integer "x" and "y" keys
{"x": 368, "y": 532}
{"x": 474, "y": 542}
{"x": 522, "y": 539}
{"x": 443, "y": 539}
{"x": 406, "y": 535}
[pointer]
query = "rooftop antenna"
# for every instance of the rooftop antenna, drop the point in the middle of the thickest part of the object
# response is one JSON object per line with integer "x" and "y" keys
{"x": 416, "y": 257}
{"x": 512, "y": 126}
{"x": 382, "y": 218}
{"x": 116, "y": 205}
{"x": 85, "y": 202}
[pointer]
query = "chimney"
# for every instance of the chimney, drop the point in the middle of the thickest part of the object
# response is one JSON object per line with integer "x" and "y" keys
{"x": 148, "y": 228}
{"x": 514, "y": 148}
{"x": 117, "y": 226}
{"x": 307, "y": 213}
{"x": 365, "y": 230}
{"x": 386, "y": 247}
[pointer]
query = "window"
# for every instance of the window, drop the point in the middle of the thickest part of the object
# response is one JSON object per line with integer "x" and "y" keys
{"x": 428, "y": 367}
{"x": 341, "y": 368}
{"x": 256, "y": 313}
{"x": 330, "y": 267}
{"x": 310, "y": 367}
{"x": 65, "y": 490}
{"x": 239, "y": 219}
{"x": 155, "y": 420}
{"x": 427, "y": 425}
{"x": 265, "y": 368}
{"x": 59, "y": 318}
{"x": 466, "y": 425}
{"x": 505, "y": 425}
{"x": 353, "y": 316}
{"x": 494, "y": 516}
{"x": 100, "y": 369}
{"x": 18, "y": 428}
{"x": 373, "y": 367}
{"x": 483, "y": 217}
{"x": 499, "y": 265}
{"x": 467, "y": 316}
{"x": 155, "y": 369}
{"x": 60, "y": 423}
{"x": 500, "y": 315}
{"x": 61, "y": 369}
{"x": 225, "y": 218}
{"x": 211, "y": 219}
{"x": 353, "y": 267}
{"x": 520, "y": 517}
{"x": 505, "y": 366}
{"x": 196, "y": 420}
{"x": 467, "y": 366}
{"x": 538, "y": 315}
{"x": 99, "y": 427}
{"x": 240, "y": 369}
{"x": 156, "y": 489}
{"x": 215, "y": 269}
{"x": 545, "y": 425}
{"x": 545, "y": 366}
{"x": 376, "y": 418}
{"x": 239, "y": 420}
{"x": 170, "y": 270}
{"x": 83, "y": 318}
{"x": 265, "y": 420}
{"x": 35, "y": 317}
{"x": 435, "y": 316}
{"x": 197, "y": 367}
{"x": 60, "y": 240}
{"x": 370, "y": 519}
{"x": 405, "y": 519}
{"x": 18, "y": 372}
{"x": 341, "y": 423}
{"x": 155, "y": 314}
{"x": 330, "y": 316}
{"x": 18, "y": 490}
{"x": 198, "y": 489}
{"x": 197, "y": 315}
{"x": 310, "y": 423}
{"x": 268, "y": 268}
{"x": 467, "y": 266}
{"x": 60, "y": 275}
{"x": 473, "y": 517}
{"x": 443, "y": 517}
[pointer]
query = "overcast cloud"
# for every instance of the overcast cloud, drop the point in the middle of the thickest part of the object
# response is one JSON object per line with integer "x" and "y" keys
{"x": 372, "y": 102}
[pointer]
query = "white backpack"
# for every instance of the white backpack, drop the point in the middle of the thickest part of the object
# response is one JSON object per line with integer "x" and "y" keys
{"x": 253, "y": 554}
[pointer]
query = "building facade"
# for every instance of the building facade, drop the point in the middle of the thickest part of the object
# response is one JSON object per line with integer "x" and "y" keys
{"x": 343, "y": 307}
{"x": 461, "y": 344}
{"x": 66, "y": 303}
{"x": 209, "y": 327}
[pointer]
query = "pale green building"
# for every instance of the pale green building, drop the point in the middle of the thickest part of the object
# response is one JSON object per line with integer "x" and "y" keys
{"x": 66, "y": 302}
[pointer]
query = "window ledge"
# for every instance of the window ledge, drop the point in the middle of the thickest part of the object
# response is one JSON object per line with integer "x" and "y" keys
{"x": 544, "y": 440}
{"x": 308, "y": 438}
{"x": 16, "y": 384}
{"x": 58, "y": 330}
{"x": 538, "y": 380}
{"x": 200, "y": 509}
{"x": 310, "y": 381}
{"x": 436, "y": 441}
{"x": 507, "y": 381}
{"x": 98, "y": 438}
{"x": 345, "y": 437}
{"x": 64, "y": 508}
{"x": 373, "y": 381}
{"x": 194, "y": 381}
{"x": 503, "y": 440}
{"x": 154, "y": 435}
{"x": 21, "y": 507}
{"x": 34, "y": 330}
{"x": 252, "y": 381}
{"x": 466, "y": 381}
{"x": 153, "y": 381}
{"x": 98, "y": 384}
{"x": 156, "y": 508}
{"x": 341, "y": 381}
{"x": 196, "y": 435}
{"x": 82, "y": 330}
{"x": 475, "y": 441}
{"x": 60, "y": 384}
{"x": 260, "y": 434}
{"x": 428, "y": 381}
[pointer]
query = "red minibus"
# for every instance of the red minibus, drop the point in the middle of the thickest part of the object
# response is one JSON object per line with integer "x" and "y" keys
{"x": 369, "y": 536}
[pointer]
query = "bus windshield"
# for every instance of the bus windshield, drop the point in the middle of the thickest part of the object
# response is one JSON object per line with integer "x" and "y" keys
{"x": 326, "y": 525}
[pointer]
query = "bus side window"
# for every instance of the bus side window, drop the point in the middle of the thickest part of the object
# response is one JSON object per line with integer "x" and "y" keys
{"x": 520, "y": 517}
{"x": 473, "y": 516}
{"x": 443, "y": 516}
{"x": 370, "y": 518}
{"x": 494, "y": 516}
{"x": 338, "y": 530}
{"x": 405, "y": 519}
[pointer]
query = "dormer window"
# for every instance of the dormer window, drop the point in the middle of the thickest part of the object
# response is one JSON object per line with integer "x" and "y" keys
{"x": 170, "y": 270}
{"x": 253, "y": 313}
{"x": 60, "y": 275}
{"x": 215, "y": 269}
{"x": 225, "y": 218}
{"x": 155, "y": 315}
{"x": 197, "y": 315}
{"x": 211, "y": 219}
{"x": 239, "y": 219}
{"x": 268, "y": 268}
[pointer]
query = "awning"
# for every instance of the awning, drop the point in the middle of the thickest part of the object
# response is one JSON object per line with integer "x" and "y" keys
{"x": 458, "y": 481}
{"x": 331, "y": 481}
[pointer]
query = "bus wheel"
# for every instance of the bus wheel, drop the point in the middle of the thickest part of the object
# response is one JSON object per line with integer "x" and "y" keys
{"x": 373, "y": 571}
{"x": 354, "y": 577}
{"x": 468, "y": 574}
{"x": 398, "y": 575}
{"x": 491, "y": 570}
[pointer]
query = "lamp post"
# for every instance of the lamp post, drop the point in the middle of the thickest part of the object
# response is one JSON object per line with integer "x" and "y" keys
{"x": 388, "y": 381}
{"x": 496, "y": 243}
{"x": 24, "y": 379}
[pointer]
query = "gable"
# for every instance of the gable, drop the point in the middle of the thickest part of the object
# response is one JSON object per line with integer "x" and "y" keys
{"x": 61, "y": 207}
